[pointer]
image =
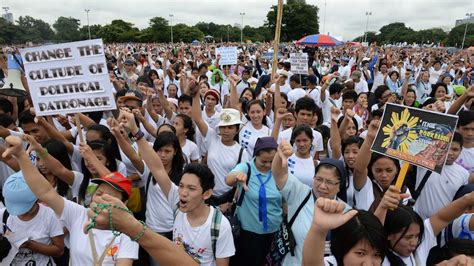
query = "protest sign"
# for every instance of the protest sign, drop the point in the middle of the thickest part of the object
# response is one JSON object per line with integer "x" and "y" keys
{"x": 269, "y": 56}
{"x": 228, "y": 55}
{"x": 68, "y": 78}
{"x": 299, "y": 63}
{"x": 415, "y": 136}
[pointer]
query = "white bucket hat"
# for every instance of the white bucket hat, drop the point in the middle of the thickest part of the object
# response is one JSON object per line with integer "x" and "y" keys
{"x": 229, "y": 117}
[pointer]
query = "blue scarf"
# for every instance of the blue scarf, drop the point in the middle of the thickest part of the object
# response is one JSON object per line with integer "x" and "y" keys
{"x": 262, "y": 200}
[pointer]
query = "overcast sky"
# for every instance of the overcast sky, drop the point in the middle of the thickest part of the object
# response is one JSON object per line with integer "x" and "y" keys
{"x": 345, "y": 18}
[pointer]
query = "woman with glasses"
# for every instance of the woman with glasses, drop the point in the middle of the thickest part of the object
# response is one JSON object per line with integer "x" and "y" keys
{"x": 328, "y": 182}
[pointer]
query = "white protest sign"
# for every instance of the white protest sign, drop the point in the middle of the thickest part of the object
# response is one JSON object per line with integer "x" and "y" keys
{"x": 68, "y": 78}
{"x": 299, "y": 63}
{"x": 228, "y": 55}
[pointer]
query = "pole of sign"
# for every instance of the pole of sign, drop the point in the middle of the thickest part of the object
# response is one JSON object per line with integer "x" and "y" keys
{"x": 79, "y": 128}
{"x": 402, "y": 175}
{"x": 276, "y": 42}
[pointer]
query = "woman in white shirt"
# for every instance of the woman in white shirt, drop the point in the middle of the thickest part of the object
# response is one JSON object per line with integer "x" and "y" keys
{"x": 255, "y": 127}
{"x": 118, "y": 250}
{"x": 185, "y": 133}
{"x": 301, "y": 163}
{"x": 411, "y": 238}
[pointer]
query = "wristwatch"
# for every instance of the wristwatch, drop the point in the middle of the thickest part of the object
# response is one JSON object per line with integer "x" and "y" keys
{"x": 137, "y": 136}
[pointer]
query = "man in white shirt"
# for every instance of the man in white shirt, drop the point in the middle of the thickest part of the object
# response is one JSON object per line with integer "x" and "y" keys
{"x": 466, "y": 129}
{"x": 440, "y": 189}
{"x": 360, "y": 85}
{"x": 296, "y": 91}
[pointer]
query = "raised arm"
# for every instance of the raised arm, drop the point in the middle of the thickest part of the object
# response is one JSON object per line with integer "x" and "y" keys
{"x": 335, "y": 135}
{"x": 162, "y": 98}
{"x": 328, "y": 214}
{"x": 56, "y": 168}
{"x": 149, "y": 108}
{"x": 362, "y": 162}
{"x": 55, "y": 134}
{"x": 35, "y": 180}
{"x": 152, "y": 160}
{"x": 391, "y": 199}
{"x": 446, "y": 215}
{"x": 88, "y": 154}
{"x": 196, "y": 113}
{"x": 457, "y": 105}
{"x": 234, "y": 98}
{"x": 161, "y": 249}
{"x": 345, "y": 122}
{"x": 125, "y": 144}
{"x": 280, "y": 164}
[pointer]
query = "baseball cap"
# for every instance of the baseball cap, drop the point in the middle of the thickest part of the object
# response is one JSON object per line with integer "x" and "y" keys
{"x": 117, "y": 181}
{"x": 19, "y": 198}
{"x": 132, "y": 95}
{"x": 264, "y": 143}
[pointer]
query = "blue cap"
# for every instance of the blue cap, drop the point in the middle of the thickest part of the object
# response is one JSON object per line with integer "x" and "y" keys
{"x": 19, "y": 198}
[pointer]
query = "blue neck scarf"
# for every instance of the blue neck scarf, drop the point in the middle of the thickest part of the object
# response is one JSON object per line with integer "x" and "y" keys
{"x": 262, "y": 200}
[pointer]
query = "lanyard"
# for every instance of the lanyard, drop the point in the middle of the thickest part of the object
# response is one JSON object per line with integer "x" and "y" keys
{"x": 98, "y": 262}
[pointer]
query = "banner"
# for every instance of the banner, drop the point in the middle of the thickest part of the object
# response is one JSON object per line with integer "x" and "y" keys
{"x": 299, "y": 63}
{"x": 228, "y": 55}
{"x": 269, "y": 56}
{"x": 416, "y": 136}
{"x": 68, "y": 78}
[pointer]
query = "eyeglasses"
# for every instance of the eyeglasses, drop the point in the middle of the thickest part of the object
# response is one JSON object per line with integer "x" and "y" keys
{"x": 329, "y": 183}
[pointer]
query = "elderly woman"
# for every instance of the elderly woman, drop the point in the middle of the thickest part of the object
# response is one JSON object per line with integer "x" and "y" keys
{"x": 329, "y": 182}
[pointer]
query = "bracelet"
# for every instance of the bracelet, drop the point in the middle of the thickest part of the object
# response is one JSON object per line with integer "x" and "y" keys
{"x": 45, "y": 153}
{"x": 142, "y": 232}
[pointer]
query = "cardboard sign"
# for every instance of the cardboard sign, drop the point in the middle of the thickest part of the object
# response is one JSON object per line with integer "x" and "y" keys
{"x": 299, "y": 63}
{"x": 269, "y": 56}
{"x": 416, "y": 136}
{"x": 68, "y": 78}
{"x": 228, "y": 55}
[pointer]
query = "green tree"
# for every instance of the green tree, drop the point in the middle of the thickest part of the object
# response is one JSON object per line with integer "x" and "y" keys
{"x": 159, "y": 30}
{"x": 456, "y": 34}
{"x": 9, "y": 33}
{"x": 396, "y": 32}
{"x": 67, "y": 29}
{"x": 371, "y": 37}
{"x": 299, "y": 19}
{"x": 95, "y": 32}
{"x": 434, "y": 35}
{"x": 184, "y": 33}
{"x": 35, "y": 30}
{"x": 119, "y": 31}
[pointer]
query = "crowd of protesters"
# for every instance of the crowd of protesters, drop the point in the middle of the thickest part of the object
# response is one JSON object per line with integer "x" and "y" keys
{"x": 204, "y": 162}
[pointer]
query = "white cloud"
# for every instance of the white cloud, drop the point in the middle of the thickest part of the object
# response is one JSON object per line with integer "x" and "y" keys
{"x": 343, "y": 18}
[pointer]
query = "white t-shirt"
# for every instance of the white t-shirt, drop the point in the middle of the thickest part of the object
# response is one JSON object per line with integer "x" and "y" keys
{"x": 221, "y": 159}
{"x": 296, "y": 94}
{"x": 191, "y": 150}
{"x": 466, "y": 159}
{"x": 434, "y": 75}
{"x": 420, "y": 256}
{"x": 41, "y": 229}
{"x": 196, "y": 241}
{"x": 459, "y": 229}
{"x": 317, "y": 140}
{"x": 361, "y": 86}
{"x": 439, "y": 190}
{"x": 74, "y": 217}
{"x": 159, "y": 216}
{"x": 283, "y": 88}
{"x": 315, "y": 94}
{"x": 326, "y": 108}
{"x": 302, "y": 168}
{"x": 248, "y": 136}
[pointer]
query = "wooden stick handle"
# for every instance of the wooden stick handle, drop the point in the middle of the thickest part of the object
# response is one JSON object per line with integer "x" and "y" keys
{"x": 79, "y": 128}
{"x": 402, "y": 175}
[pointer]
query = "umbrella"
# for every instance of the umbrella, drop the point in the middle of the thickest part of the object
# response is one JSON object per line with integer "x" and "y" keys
{"x": 195, "y": 42}
{"x": 319, "y": 40}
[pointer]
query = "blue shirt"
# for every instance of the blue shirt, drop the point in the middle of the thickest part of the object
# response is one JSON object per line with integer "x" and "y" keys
{"x": 248, "y": 212}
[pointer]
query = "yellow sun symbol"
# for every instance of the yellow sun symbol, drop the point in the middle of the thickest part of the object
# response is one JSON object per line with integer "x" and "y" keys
{"x": 400, "y": 132}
